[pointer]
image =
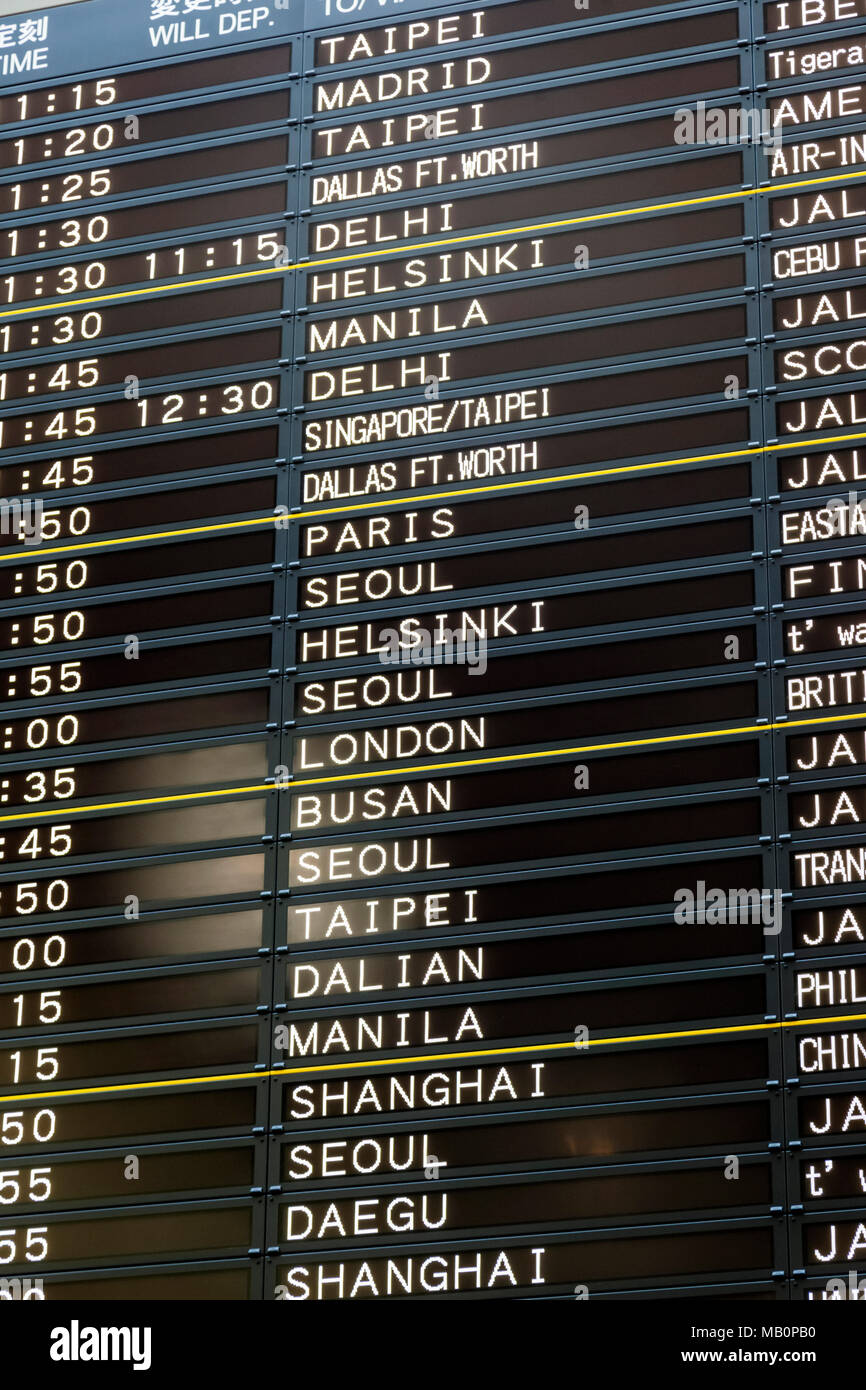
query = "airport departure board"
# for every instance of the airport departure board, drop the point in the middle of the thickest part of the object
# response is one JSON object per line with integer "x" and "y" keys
{"x": 432, "y": 632}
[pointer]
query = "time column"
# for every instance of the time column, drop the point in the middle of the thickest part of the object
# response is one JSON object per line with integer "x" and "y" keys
{"x": 145, "y": 236}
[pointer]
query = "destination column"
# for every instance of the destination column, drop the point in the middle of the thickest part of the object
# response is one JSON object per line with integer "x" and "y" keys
{"x": 531, "y": 805}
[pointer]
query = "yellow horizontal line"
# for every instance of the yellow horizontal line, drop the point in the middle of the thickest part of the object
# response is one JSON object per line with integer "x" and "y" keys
{"x": 739, "y": 193}
{"x": 36, "y": 552}
{"x": 533, "y": 481}
{"x": 366, "y": 255}
{"x": 537, "y": 480}
{"x": 413, "y": 769}
{"x": 78, "y": 810}
{"x": 425, "y": 1058}
{"x": 370, "y": 253}
{"x": 51, "y": 306}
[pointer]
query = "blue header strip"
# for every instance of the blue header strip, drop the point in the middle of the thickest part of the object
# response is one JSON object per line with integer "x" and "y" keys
{"x": 104, "y": 35}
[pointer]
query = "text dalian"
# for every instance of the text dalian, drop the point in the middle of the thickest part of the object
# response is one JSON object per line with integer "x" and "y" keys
{"x": 413, "y": 970}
